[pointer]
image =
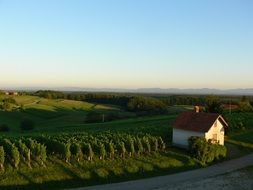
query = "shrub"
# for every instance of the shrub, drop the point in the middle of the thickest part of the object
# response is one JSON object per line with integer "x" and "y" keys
{"x": 154, "y": 144}
{"x": 90, "y": 153}
{"x": 12, "y": 151}
{"x": 102, "y": 151}
{"x": 140, "y": 146}
{"x": 66, "y": 151}
{"x": 146, "y": 145}
{"x": 27, "y": 124}
{"x": 2, "y": 157}
{"x": 15, "y": 156}
{"x": 5, "y": 106}
{"x": 161, "y": 144}
{"x": 4, "y": 128}
{"x": 111, "y": 150}
{"x": 76, "y": 150}
{"x": 122, "y": 149}
{"x": 245, "y": 106}
{"x": 102, "y": 172}
{"x": 10, "y": 100}
{"x": 130, "y": 146}
{"x": 25, "y": 152}
{"x": 205, "y": 151}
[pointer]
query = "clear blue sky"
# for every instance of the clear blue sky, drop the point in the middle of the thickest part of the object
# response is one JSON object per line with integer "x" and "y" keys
{"x": 126, "y": 43}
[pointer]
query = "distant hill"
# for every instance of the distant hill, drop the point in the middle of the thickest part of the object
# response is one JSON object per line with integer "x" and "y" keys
{"x": 197, "y": 91}
{"x": 201, "y": 91}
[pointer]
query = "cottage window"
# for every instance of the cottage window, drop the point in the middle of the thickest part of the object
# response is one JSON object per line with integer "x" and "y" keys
{"x": 215, "y": 137}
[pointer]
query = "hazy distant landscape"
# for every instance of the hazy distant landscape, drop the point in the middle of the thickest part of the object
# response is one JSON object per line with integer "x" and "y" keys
{"x": 202, "y": 91}
{"x": 157, "y": 94}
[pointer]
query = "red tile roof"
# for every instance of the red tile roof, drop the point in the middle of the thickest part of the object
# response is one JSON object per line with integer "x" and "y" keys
{"x": 199, "y": 122}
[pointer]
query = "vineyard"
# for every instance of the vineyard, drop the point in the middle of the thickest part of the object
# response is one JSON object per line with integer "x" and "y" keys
{"x": 77, "y": 147}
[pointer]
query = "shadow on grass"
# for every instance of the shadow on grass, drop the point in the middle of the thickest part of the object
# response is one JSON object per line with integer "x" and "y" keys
{"x": 101, "y": 174}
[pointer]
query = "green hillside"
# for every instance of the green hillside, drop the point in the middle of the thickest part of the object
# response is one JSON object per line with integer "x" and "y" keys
{"x": 51, "y": 113}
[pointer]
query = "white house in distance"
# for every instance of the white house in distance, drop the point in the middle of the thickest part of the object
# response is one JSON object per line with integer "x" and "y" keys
{"x": 209, "y": 125}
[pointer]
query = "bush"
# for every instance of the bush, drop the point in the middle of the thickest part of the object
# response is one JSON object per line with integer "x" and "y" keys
{"x": 4, "y": 128}
{"x": 5, "y": 106}
{"x": 76, "y": 150}
{"x": 245, "y": 107}
{"x": 111, "y": 150}
{"x": 25, "y": 152}
{"x": 206, "y": 152}
{"x": 2, "y": 157}
{"x": 102, "y": 151}
{"x": 12, "y": 152}
{"x": 140, "y": 149}
{"x": 10, "y": 100}
{"x": 27, "y": 125}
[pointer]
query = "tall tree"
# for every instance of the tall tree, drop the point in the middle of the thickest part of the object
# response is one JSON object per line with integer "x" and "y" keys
{"x": 213, "y": 105}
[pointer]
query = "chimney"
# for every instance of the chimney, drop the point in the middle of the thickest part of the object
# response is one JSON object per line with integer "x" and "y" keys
{"x": 196, "y": 109}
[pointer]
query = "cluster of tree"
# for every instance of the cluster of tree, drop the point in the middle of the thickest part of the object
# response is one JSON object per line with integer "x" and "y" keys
{"x": 50, "y": 94}
{"x": 205, "y": 151}
{"x": 213, "y": 105}
{"x": 245, "y": 106}
{"x": 138, "y": 104}
{"x": 237, "y": 121}
{"x": 120, "y": 100}
{"x": 103, "y": 98}
{"x": 6, "y": 103}
{"x": 146, "y": 105}
{"x": 183, "y": 100}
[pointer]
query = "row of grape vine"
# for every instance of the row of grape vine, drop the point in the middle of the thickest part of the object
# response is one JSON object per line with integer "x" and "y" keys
{"x": 83, "y": 146}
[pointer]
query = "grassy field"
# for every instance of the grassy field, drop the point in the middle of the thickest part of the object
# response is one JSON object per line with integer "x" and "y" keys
{"x": 67, "y": 116}
{"x": 48, "y": 115}
{"x": 57, "y": 174}
{"x": 246, "y": 137}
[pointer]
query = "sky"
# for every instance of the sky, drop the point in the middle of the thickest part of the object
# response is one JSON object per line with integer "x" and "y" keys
{"x": 126, "y": 43}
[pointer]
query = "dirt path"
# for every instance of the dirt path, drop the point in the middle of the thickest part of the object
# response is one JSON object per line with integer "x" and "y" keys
{"x": 171, "y": 181}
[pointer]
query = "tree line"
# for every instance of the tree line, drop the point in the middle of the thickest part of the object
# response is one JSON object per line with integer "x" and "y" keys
{"x": 150, "y": 103}
{"x": 139, "y": 104}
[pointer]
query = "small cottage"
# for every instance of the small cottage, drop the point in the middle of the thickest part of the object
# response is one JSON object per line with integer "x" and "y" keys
{"x": 208, "y": 125}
